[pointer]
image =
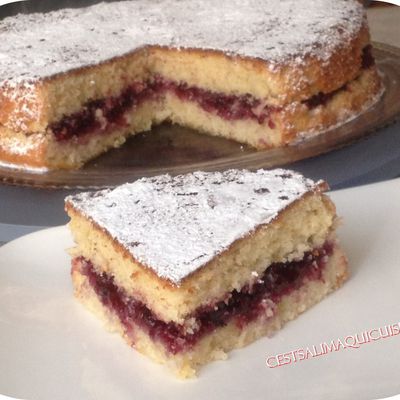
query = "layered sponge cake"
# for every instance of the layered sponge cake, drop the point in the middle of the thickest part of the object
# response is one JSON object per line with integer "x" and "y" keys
{"x": 187, "y": 268}
{"x": 77, "y": 82}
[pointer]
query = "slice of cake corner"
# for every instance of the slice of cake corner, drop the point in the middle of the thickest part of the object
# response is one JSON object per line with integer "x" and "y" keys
{"x": 187, "y": 268}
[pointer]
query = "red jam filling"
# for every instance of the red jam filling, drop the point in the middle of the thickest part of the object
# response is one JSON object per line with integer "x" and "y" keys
{"x": 320, "y": 99}
{"x": 227, "y": 107}
{"x": 99, "y": 115}
{"x": 367, "y": 59}
{"x": 241, "y": 306}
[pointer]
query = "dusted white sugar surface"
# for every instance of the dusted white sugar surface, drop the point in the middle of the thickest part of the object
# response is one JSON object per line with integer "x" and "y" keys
{"x": 175, "y": 225}
{"x": 40, "y": 45}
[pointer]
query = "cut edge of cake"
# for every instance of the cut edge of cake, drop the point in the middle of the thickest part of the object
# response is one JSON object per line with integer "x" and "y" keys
{"x": 164, "y": 317}
{"x": 216, "y": 346}
{"x": 296, "y": 122}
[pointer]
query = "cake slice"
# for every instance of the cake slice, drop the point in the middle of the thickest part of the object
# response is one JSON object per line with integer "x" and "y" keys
{"x": 187, "y": 268}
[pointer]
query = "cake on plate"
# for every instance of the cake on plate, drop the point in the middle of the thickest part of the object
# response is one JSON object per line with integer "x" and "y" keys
{"x": 187, "y": 268}
{"x": 77, "y": 82}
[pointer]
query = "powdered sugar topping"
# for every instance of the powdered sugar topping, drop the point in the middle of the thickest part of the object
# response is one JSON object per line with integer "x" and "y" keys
{"x": 40, "y": 45}
{"x": 175, "y": 225}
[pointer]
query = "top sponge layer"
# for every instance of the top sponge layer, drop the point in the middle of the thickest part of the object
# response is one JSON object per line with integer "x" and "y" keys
{"x": 40, "y": 45}
{"x": 176, "y": 225}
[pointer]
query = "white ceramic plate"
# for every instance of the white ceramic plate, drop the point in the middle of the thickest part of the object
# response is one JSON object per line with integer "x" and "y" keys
{"x": 52, "y": 348}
